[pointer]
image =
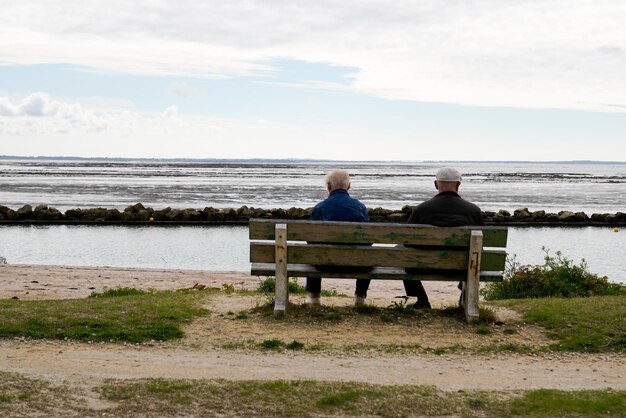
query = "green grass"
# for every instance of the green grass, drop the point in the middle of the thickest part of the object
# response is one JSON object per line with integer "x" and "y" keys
{"x": 309, "y": 398}
{"x": 555, "y": 403}
{"x": 592, "y": 324}
{"x": 118, "y": 315}
{"x": 25, "y": 396}
{"x": 268, "y": 287}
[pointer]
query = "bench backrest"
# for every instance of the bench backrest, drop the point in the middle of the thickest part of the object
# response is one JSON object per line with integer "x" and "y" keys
{"x": 425, "y": 250}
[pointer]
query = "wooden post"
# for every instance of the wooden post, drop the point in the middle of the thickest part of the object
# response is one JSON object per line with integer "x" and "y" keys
{"x": 282, "y": 280}
{"x": 472, "y": 283}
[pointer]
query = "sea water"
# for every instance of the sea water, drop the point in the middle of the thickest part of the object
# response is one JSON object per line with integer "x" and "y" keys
{"x": 67, "y": 183}
{"x": 226, "y": 248}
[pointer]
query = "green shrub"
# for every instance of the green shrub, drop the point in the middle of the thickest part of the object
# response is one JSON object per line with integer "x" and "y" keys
{"x": 557, "y": 277}
{"x": 269, "y": 286}
{"x": 117, "y": 291}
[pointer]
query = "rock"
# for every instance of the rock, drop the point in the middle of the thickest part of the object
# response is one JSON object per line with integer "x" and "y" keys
{"x": 246, "y": 213}
{"x": 599, "y": 217}
{"x": 161, "y": 215}
{"x": 212, "y": 214}
{"x": 278, "y": 213}
{"x": 620, "y": 217}
{"x": 521, "y": 214}
{"x": 379, "y": 214}
{"x": 502, "y": 216}
{"x": 135, "y": 208}
{"x": 174, "y": 215}
{"x": 581, "y": 217}
{"x": 114, "y": 215}
{"x": 538, "y": 215}
{"x": 39, "y": 208}
{"x": 228, "y": 214}
{"x": 73, "y": 214}
{"x": 398, "y": 217}
{"x": 407, "y": 209}
{"x": 566, "y": 216}
{"x": 4, "y": 210}
{"x": 44, "y": 213}
{"x": 551, "y": 217}
{"x": 25, "y": 212}
{"x": 191, "y": 215}
{"x": 297, "y": 213}
{"x": 51, "y": 214}
{"x": 141, "y": 216}
{"x": 93, "y": 214}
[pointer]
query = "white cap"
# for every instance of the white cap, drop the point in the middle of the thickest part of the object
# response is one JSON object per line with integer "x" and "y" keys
{"x": 448, "y": 174}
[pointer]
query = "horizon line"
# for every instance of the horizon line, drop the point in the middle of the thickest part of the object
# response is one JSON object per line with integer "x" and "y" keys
{"x": 289, "y": 159}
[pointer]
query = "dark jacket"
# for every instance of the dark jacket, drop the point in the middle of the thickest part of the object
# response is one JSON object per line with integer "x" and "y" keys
{"x": 446, "y": 209}
{"x": 339, "y": 206}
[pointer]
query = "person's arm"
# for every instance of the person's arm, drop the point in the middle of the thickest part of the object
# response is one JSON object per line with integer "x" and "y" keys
{"x": 365, "y": 214}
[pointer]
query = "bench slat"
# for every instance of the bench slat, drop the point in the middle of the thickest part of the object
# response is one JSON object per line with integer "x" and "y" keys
{"x": 379, "y": 273}
{"x": 384, "y": 233}
{"x": 351, "y": 255}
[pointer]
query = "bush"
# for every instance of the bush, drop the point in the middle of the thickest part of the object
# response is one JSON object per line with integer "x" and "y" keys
{"x": 268, "y": 286}
{"x": 117, "y": 291}
{"x": 557, "y": 277}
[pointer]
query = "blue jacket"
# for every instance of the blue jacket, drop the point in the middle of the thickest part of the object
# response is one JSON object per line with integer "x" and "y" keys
{"x": 339, "y": 206}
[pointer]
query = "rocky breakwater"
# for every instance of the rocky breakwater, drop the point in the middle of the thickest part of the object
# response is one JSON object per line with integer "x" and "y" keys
{"x": 138, "y": 213}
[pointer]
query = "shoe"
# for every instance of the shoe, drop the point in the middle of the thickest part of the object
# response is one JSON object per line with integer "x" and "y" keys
{"x": 312, "y": 301}
{"x": 359, "y": 300}
{"x": 419, "y": 305}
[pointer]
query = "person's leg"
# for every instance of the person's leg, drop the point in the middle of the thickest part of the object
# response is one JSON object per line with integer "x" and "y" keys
{"x": 361, "y": 291}
{"x": 314, "y": 288}
{"x": 415, "y": 288}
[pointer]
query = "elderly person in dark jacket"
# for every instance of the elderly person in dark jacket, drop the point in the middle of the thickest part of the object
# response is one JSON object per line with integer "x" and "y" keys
{"x": 338, "y": 206}
{"x": 447, "y": 208}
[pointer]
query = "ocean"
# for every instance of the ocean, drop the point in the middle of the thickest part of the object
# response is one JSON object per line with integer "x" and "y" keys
{"x": 66, "y": 184}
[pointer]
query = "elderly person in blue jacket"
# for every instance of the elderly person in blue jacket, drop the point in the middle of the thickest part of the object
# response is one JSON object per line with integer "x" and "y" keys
{"x": 338, "y": 206}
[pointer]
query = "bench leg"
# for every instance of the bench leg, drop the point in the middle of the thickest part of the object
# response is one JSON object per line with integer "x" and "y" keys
{"x": 472, "y": 284}
{"x": 282, "y": 279}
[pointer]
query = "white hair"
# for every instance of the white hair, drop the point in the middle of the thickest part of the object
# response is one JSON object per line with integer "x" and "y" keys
{"x": 338, "y": 179}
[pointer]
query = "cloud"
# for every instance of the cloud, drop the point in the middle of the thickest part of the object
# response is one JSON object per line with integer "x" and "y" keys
{"x": 539, "y": 54}
{"x": 38, "y": 113}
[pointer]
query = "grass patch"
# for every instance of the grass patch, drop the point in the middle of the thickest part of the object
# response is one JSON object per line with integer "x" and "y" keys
{"x": 117, "y": 291}
{"x": 394, "y": 313}
{"x": 27, "y": 396}
{"x": 276, "y": 344}
{"x": 591, "y": 324}
{"x": 117, "y": 315}
{"x": 268, "y": 287}
{"x": 554, "y": 403}
{"x": 179, "y": 397}
{"x": 309, "y": 399}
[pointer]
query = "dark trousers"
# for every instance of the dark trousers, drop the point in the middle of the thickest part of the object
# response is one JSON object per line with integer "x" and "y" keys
{"x": 314, "y": 285}
{"x": 415, "y": 288}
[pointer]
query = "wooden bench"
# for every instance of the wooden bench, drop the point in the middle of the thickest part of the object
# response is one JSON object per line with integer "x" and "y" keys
{"x": 290, "y": 248}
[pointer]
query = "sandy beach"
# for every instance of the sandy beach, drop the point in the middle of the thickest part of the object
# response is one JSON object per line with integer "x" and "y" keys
{"x": 201, "y": 354}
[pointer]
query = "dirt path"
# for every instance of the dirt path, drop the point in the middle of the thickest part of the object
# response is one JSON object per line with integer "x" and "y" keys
{"x": 70, "y": 361}
{"x": 201, "y": 355}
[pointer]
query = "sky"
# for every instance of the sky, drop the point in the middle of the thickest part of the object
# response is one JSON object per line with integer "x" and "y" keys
{"x": 351, "y": 80}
